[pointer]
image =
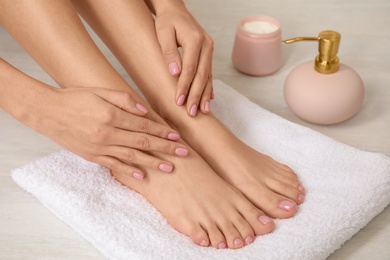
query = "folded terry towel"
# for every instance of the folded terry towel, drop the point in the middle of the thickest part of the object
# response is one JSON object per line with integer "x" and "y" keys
{"x": 346, "y": 188}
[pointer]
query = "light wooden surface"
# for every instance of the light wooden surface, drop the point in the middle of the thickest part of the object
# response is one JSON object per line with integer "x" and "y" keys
{"x": 29, "y": 231}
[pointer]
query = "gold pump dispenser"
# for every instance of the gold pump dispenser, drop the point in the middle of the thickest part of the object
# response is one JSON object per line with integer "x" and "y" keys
{"x": 327, "y": 61}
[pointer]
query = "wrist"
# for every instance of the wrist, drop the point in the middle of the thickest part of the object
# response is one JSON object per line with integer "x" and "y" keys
{"x": 160, "y": 6}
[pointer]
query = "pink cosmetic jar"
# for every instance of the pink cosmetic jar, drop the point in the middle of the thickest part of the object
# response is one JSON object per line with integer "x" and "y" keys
{"x": 257, "y": 47}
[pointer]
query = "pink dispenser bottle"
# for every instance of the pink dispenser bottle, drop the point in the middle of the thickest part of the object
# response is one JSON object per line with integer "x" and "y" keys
{"x": 324, "y": 91}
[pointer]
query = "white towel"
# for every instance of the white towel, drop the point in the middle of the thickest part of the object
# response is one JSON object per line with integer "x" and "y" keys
{"x": 346, "y": 188}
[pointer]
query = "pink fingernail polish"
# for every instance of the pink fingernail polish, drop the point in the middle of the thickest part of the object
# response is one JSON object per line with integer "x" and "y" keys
{"x": 203, "y": 243}
{"x": 174, "y": 137}
{"x": 301, "y": 189}
{"x": 141, "y": 108}
{"x": 265, "y": 220}
{"x": 182, "y": 152}
{"x": 194, "y": 110}
{"x": 165, "y": 167}
{"x": 301, "y": 197}
{"x": 207, "y": 106}
{"x": 237, "y": 241}
{"x": 222, "y": 245}
{"x": 180, "y": 100}
{"x": 287, "y": 205}
{"x": 173, "y": 68}
{"x": 249, "y": 240}
{"x": 138, "y": 175}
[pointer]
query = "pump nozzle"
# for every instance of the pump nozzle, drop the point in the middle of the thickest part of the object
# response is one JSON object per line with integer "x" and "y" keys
{"x": 327, "y": 61}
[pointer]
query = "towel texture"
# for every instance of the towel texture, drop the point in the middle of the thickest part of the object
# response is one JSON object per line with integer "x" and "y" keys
{"x": 346, "y": 188}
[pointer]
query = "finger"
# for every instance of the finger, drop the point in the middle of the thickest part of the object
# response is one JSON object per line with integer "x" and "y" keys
{"x": 136, "y": 157}
{"x": 201, "y": 84}
{"x": 191, "y": 52}
{"x": 206, "y": 97}
{"x": 146, "y": 142}
{"x": 167, "y": 38}
{"x": 144, "y": 125}
{"x": 119, "y": 167}
{"x": 122, "y": 100}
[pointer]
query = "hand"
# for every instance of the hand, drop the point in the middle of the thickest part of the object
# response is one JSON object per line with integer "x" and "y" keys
{"x": 109, "y": 128}
{"x": 176, "y": 27}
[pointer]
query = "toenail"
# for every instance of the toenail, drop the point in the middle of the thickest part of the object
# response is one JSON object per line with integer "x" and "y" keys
{"x": 301, "y": 197}
{"x": 203, "y": 243}
{"x": 249, "y": 240}
{"x": 237, "y": 242}
{"x": 222, "y": 245}
{"x": 301, "y": 189}
{"x": 265, "y": 220}
{"x": 138, "y": 175}
{"x": 287, "y": 205}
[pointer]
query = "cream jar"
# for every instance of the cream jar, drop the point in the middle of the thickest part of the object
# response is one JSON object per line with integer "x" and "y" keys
{"x": 257, "y": 47}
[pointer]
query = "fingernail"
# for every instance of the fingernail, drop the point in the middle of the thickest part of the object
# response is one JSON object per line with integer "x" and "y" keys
{"x": 180, "y": 100}
{"x": 181, "y": 152}
{"x": 141, "y": 108}
{"x": 222, "y": 245}
{"x": 194, "y": 110}
{"x": 237, "y": 242}
{"x": 138, "y": 175}
{"x": 249, "y": 240}
{"x": 174, "y": 137}
{"x": 287, "y": 205}
{"x": 173, "y": 68}
{"x": 301, "y": 189}
{"x": 207, "y": 106}
{"x": 301, "y": 197}
{"x": 165, "y": 167}
{"x": 203, "y": 243}
{"x": 265, "y": 220}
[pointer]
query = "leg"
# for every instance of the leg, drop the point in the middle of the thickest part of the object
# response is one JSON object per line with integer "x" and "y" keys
{"x": 195, "y": 200}
{"x": 271, "y": 186}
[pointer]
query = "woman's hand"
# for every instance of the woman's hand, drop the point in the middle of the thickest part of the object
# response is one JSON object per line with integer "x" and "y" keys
{"x": 176, "y": 27}
{"x": 109, "y": 128}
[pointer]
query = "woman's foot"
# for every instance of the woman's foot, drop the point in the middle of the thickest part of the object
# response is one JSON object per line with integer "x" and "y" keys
{"x": 269, "y": 185}
{"x": 199, "y": 204}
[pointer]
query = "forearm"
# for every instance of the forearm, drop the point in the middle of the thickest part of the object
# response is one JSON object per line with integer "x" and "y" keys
{"x": 22, "y": 96}
{"x": 53, "y": 34}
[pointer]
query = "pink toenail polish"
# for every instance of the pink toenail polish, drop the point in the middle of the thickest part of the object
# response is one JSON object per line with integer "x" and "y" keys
{"x": 203, "y": 243}
{"x": 138, "y": 175}
{"x": 173, "y": 137}
{"x": 287, "y": 205}
{"x": 301, "y": 189}
{"x": 249, "y": 240}
{"x": 265, "y": 220}
{"x": 237, "y": 242}
{"x": 182, "y": 152}
{"x": 180, "y": 100}
{"x": 165, "y": 167}
{"x": 301, "y": 197}
{"x": 222, "y": 245}
{"x": 194, "y": 110}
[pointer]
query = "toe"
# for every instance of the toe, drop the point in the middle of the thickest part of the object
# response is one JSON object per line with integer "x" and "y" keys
{"x": 232, "y": 235}
{"x": 217, "y": 239}
{"x": 199, "y": 235}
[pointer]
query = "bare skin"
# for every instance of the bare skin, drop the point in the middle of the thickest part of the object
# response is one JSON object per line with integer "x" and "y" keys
{"x": 271, "y": 186}
{"x": 212, "y": 211}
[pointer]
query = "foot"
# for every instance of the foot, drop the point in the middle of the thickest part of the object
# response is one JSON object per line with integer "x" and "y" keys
{"x": 269, "y": 185}
{"x": 199, "y": 204}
